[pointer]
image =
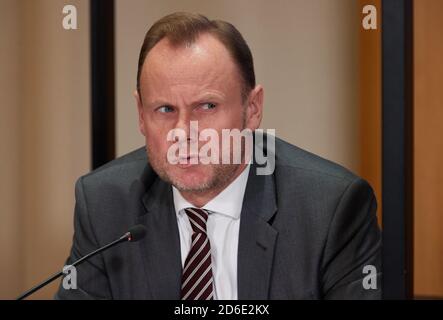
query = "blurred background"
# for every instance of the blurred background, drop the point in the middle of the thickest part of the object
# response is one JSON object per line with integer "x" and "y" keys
{"x": 322, "y": 74}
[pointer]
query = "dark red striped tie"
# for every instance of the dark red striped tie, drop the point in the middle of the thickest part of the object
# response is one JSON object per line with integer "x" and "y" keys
{"x": 197, "y": 282}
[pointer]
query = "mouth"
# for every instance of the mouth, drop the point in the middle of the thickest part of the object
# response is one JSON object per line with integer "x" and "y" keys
{"x": 186, "y": 162}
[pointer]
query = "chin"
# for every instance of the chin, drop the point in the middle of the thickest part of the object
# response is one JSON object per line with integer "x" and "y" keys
{"x": 192, "y": 178}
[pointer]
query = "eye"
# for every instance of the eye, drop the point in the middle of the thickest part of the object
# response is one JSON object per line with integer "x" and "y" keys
{"x": 208, "y": 106}
{"x": 165, "y": 109}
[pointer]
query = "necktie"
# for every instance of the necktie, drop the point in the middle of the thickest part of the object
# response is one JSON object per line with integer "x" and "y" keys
{"x": 197, "y": 281}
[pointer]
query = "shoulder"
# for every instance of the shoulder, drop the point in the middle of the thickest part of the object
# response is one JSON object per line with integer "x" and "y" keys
{"x": 121, "y": 171}
{"x": 293, "y": 158}
{"x": 297, "y": 170}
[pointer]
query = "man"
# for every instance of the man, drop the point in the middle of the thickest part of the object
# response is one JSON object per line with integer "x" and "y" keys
{"x": 306, "y": 230}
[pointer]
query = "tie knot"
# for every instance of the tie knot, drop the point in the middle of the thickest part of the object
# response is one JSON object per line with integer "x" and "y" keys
{"x": 198, "y": 218}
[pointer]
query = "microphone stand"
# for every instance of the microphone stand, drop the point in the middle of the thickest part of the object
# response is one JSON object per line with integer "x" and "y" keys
{"x": 125, "y": 237}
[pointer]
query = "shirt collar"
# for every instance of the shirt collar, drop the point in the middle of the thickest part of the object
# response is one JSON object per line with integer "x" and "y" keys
{"x": 228, "y": 202}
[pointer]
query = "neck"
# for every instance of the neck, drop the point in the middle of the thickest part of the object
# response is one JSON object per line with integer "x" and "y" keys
{"x": 199, "y": 199}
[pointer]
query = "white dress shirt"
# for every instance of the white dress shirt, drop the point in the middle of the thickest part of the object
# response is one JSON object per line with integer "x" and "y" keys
{"x": 223, "y": 227}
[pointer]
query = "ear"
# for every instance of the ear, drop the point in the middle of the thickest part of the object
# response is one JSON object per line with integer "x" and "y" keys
{"x": 141, "y": 115}
{"x": 254, "y": 110}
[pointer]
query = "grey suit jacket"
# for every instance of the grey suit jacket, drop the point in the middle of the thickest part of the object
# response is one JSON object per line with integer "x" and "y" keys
{"x": 306, "y": 232}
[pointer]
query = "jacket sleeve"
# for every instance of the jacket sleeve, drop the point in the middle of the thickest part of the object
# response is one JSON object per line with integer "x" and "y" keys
{"x": 351, "y": 262}
{"x": 91, "y": 278}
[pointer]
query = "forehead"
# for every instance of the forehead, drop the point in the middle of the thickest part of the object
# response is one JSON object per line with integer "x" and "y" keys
{"x": 204, "y": 64}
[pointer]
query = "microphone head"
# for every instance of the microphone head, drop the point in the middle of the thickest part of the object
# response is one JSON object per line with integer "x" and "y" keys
{"x": 136, "y": 232}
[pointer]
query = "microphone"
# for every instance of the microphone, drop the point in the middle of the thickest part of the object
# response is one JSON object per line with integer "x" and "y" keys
{"x": 134, "y": 234}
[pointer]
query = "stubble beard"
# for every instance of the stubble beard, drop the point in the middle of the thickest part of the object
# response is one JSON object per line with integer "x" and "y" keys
{"x": 222, "y": 174}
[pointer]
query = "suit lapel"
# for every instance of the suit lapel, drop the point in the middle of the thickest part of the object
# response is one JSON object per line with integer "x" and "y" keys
{"x": 257, "y": 237}
{"x": 160, "y": 249}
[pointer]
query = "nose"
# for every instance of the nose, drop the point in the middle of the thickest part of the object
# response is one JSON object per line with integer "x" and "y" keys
{"x": 188, "y": 125}
{"x": 183, "y": 123}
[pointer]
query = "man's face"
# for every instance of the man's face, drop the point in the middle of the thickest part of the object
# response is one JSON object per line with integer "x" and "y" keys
{"x": 192, "y": 83}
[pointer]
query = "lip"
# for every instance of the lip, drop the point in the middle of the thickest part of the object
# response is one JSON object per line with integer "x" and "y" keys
{"x": 188, "y": 162}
